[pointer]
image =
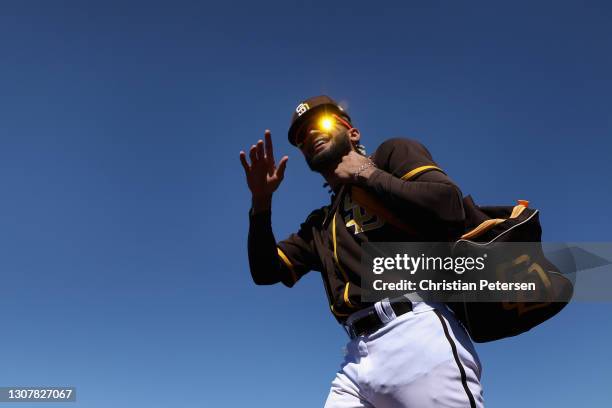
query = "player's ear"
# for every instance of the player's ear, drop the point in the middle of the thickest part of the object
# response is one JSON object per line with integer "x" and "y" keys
{"x": 354, "y": 135}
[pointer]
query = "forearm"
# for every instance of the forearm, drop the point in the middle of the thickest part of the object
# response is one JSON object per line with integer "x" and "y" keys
{"x": 263, "y": 256}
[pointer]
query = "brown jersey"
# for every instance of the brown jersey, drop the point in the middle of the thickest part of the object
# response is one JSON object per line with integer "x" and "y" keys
{"x": 407, "y": 185}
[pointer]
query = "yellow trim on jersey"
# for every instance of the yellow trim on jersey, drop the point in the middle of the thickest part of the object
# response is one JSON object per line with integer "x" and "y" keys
{"x": 336, "y": 249}
{"x": 345, "y": 296}
{"x": 337, "y": 313}
{"x": 287, "y": 262}
{"x": 414, "y": 172}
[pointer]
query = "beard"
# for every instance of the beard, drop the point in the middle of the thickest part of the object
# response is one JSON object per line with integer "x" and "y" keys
{"x": 327, "y": 159}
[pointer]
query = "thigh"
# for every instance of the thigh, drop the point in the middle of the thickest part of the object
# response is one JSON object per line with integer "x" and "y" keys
{"x": 345, "y": 394}
{"x": 440, "y": 387}
{"x": 423, "y": 360}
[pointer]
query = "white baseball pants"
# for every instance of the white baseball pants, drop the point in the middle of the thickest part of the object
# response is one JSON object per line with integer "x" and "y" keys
{"x": 421, "y": 359}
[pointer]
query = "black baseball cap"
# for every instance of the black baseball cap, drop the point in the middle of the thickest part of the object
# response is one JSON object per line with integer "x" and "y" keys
{"x": 308, "y": 108}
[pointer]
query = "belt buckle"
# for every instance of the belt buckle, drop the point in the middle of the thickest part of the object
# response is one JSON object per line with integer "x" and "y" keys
{"x": 369, "y": 314}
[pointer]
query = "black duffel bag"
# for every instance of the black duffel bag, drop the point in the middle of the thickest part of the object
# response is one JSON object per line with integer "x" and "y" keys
{"x": 513, "y": 235}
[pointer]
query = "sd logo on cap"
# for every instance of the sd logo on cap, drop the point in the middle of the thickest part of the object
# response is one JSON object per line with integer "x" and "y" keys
{"x": 308, "y": 108}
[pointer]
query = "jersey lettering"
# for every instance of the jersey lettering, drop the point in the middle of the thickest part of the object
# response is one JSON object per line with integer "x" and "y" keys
{"x": 357, "y": 217}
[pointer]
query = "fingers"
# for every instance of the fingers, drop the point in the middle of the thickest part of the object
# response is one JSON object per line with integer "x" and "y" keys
{"x": 253, "y": 155}
{"x": 260, "y": 150}
{"x": 282, "y": 165}
{"x": 269, "y": 148}
{"x": 244, "y": 162}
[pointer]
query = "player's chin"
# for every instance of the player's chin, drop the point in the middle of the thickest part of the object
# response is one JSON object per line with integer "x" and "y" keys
{"x": 319, "y": 161}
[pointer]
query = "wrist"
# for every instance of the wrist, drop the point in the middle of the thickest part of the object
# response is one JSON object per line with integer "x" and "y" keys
{"x": 364, "y": 172}
{"x": 261, "y": 203}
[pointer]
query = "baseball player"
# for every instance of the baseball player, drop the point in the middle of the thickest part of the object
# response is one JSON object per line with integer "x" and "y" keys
{"x": 402, "y": 352}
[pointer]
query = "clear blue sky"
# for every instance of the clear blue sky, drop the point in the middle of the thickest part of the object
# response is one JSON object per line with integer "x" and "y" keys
{"x": 123, "y": 207}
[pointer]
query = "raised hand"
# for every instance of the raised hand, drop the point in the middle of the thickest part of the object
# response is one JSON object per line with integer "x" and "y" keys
{"x": 263, "y": 175}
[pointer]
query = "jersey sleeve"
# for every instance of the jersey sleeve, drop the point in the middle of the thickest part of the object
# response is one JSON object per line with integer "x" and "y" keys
{"x": 406, "y": 159}
{"x": 297, "y": 253}
{"x": 410, "y": 183}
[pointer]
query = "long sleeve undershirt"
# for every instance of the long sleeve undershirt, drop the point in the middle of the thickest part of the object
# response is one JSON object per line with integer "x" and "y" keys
{"x": 426, "y": 201}
{"x": 433, "y": 194}
{"x": 263, "y": 256}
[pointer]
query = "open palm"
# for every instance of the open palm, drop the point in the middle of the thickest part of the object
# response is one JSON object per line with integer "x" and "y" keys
{"x": 263, "y": 175}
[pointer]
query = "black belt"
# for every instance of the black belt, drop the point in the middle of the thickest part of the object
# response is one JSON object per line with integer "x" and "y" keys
{"x": 369, "y": 323}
